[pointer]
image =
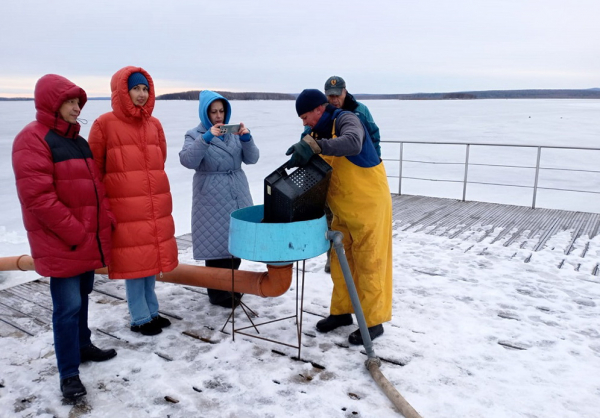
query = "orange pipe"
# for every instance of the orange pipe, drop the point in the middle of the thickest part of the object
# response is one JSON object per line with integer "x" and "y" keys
{"x": 20, "y": 262}
{"x": 271, "y": 283}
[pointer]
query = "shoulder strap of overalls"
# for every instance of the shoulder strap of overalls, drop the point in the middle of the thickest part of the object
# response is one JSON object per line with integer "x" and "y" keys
{"x": 336, "y": 113}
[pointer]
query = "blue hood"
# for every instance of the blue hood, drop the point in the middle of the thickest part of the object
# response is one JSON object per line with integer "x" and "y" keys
{"x": 206, "y": 98}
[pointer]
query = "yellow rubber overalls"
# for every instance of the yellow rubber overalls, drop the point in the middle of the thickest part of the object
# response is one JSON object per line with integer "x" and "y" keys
{"x": 361, "y": 203}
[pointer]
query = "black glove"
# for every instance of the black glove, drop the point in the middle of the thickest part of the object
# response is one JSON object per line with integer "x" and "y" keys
{"x": 301, "y": 153}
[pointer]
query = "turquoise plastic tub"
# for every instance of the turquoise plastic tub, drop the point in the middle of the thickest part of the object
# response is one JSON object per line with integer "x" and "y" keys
{"x": 275, "y": 243}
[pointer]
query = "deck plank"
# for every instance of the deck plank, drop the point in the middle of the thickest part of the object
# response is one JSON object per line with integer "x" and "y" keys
{"x": 507, "y": 221}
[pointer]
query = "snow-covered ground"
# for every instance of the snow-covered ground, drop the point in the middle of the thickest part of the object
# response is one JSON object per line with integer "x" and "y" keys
{"x": 479, "y": 333}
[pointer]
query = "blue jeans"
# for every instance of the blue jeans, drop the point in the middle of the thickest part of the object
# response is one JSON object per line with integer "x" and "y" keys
{"x": 70, "y": 320}
{"x": 141, "y": 299}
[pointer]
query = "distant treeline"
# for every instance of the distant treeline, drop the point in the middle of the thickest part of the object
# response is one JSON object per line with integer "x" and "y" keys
{"x": 14, "y": 99}
{"x": 193, "y": 95}
{"x": 459, "y": 95}
{"x": 489, "y": 94}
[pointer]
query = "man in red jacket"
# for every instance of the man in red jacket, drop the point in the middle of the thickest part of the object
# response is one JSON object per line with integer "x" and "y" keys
{"x": 67, "y": 218}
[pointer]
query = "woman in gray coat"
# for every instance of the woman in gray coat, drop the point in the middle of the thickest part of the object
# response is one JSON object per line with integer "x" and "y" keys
{"x": 220, "y": 185}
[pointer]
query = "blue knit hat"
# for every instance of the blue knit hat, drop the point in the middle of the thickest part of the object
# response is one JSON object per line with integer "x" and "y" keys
{"x": 309, "y": 100}
{"x": 135, "y": 79}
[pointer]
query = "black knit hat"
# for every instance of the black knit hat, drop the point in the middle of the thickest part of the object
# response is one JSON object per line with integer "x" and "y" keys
{"x": 308, "y": 100}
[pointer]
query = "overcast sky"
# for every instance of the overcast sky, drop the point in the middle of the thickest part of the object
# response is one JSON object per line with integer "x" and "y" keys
{"x": 378, "y": 46}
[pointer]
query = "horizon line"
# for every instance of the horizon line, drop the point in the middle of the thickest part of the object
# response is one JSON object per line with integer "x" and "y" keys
{"x": 23, "y": 98}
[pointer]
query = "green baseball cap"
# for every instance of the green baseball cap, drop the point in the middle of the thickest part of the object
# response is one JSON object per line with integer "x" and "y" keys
{"x": 334, "y": 86}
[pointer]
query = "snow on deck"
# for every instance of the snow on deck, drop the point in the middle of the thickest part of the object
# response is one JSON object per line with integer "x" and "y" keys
{"x": 495, "y": 313}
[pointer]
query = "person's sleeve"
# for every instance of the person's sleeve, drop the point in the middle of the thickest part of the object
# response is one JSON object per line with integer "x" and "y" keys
{"x": 97, "y": 142}
{"x": 102, "y": 194}
{"x": 349, "y": 140}
{"x": 207, "y": 136}
{"x": 109, "y": 212}
{"x": 306, "y": 131}
{"x": 371, "y": 126}
{"x": 162, "y": 141}
{"x": 250, "y": 152}
{"x": 193, "y": 151}
{"x": 34, "y": 173}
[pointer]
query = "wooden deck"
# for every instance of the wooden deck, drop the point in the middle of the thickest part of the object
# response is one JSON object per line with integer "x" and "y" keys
{"x": 511, "y": 225}
{"x": 27, "y": 309}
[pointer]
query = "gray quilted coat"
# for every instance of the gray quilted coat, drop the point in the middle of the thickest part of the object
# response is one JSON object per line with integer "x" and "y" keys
{"x": 220, "y": 185}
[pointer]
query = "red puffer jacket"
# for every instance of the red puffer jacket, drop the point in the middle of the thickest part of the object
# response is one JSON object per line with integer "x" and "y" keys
{"x": 65, "y": 211}
{"x": 130, "y": 149}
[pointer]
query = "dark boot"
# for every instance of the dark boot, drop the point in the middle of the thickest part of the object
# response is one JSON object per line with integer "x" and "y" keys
{"x": 149, "y": 328}
{"x": 223, "y": 298}
{"x": 328, "y": 262}
{"x": 93, "y": 353}
{"x": 334, "y": 321}
{"x": 374, "y": 331}
{"x": 161, "y": 321}
{"x": 72, "y": 388}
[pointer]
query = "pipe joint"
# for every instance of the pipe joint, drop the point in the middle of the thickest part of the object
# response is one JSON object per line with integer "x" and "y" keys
{"x": 335, "y": 236}
{"x": 372, "y": 362}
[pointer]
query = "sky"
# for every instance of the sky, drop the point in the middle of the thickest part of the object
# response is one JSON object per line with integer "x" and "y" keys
{"x": 380, "y": 46}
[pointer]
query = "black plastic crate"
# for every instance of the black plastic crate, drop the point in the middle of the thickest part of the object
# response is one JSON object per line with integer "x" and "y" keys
{"x": 298, "y": 196}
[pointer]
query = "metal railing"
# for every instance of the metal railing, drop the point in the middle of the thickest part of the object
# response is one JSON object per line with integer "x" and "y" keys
{"x": 466, "y": 163}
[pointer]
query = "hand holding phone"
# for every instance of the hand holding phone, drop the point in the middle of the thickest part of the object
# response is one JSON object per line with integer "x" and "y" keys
{"x": 229, "y": 129}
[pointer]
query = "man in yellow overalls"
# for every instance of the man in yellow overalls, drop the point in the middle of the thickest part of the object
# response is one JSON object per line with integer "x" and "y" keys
{"x": 360, "y": 200}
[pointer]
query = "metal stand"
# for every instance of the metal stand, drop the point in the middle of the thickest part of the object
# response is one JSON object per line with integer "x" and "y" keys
{"x": 249, "y": 312}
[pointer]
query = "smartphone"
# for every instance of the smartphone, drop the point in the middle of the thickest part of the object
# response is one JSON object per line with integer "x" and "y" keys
{"x": 229, "y": 129}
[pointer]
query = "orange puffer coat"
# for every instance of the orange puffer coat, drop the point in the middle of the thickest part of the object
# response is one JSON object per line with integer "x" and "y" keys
{"x": 130, "y": 150}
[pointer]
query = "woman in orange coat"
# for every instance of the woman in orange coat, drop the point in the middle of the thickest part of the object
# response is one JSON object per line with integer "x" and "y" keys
{"x": 130, "y": 150}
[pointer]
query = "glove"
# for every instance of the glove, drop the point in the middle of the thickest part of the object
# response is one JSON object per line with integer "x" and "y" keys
{"x": 302, "y": 151}
{"x": 301, "y": 154}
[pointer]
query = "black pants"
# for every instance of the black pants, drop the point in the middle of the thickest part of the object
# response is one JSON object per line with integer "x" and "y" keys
{"x": 215, "y": 296}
